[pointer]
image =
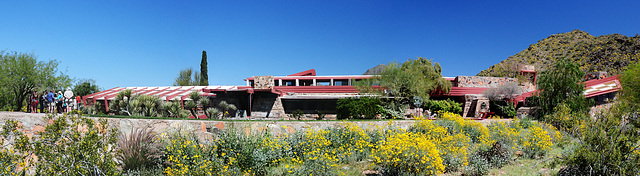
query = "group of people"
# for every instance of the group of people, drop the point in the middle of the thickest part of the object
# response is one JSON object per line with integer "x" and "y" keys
{"x": 52, "y": 102}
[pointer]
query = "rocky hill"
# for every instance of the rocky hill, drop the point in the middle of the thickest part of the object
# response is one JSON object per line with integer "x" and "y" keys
{"x": 375, "y": 70}
{"x": 611, "y": 53}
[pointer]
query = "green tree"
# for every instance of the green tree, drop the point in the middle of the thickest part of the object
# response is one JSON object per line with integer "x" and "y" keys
{"x": 631, "y": 86}
{"x": 413, "y": 78}
{"x": 85, "y": 87}
{"x": 22, "y": 73}
{"x": 185, "y": 78}
{"x": 561, "y": 83}
{"x": 204, "y": 73}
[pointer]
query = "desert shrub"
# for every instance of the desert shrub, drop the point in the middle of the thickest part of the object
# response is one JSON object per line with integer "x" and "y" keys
{"x": 408, "y": 153}
{"x": 454, "y": 123}
{"x": 70, "y": 145}
{"x": 213, "y": 113}
{"x": 14, "y": 144}
{"x": 501, "y": 98}
{"x": 121, "y": 104}
{"x": 242, "y": 150}
{"x": 478, "y": 165}
{"x": 608, "y": 146}
{"x": 75, "y": 145}
{"x": 497, "y": 156}
{"x": 631, "y": 86}
{"x": 312, "y": 153}
{"x": 452, "y": 147}
{"x": 91, "y": 110}
{"x": 349, "y": 142}
{"x": 139, "y": 150}
{"x": 508, "y": 110}
{"x": 225, "y": 107}
{"x": 184, "y": 154}
{"x": 393, "y": 109}
{"x": 443, "y": 105}
{"x": 172, "y": 109}
{"x": 481, "y": 161}
{"x": 533, "y": 140}
{"x": 561, "y": 83}
{"x": 145, "y": 105}
{"x": 564, "y": 119}
{"x": 359, "y": 108}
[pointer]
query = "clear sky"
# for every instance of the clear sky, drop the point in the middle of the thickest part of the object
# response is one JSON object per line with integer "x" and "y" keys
{"x": 146, "y": 43}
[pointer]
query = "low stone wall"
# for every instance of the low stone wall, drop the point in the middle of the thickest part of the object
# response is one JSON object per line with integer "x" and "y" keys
{"x": 33, "y": 123}
{"x": 479, "y": 81}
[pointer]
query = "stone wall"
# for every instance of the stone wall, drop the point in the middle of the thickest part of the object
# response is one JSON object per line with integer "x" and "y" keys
{"x": 34, "y": 123}
{"x": 479, "y": 81}
{"x": 474, "y": 105}
{"x": 267, "y": 105}
{"x": 263, "y": 82}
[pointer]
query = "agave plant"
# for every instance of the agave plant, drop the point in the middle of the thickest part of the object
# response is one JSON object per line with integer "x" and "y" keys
{"x": 138, "y": 150}
{"x": 225, "y": 107}
{"x": 213, "y": 113}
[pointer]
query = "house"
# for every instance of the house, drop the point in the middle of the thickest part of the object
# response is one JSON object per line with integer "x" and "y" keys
{"x": 277, "y": 96}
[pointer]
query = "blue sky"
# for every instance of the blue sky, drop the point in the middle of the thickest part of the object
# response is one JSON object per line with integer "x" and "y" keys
{"x": 146, "y": 43}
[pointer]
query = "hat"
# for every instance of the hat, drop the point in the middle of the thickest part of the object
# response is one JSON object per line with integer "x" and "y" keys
{"x": 59, "y": 92}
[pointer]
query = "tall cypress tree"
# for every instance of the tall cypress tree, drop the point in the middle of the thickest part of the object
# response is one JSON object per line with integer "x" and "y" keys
{"x": 204, "y": 76}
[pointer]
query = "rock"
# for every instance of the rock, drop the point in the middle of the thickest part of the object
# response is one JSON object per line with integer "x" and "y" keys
{"x": 38, "y": 129}
{"x": 370, "y": 173}
{"x": 203, "y": 127}
{"x": 220, "y": 125}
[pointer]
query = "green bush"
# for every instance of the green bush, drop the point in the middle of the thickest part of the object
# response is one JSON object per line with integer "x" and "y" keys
{"x": 359, "y": 108}
{"x": 12, "y": 156}
{"x": 478, "y": 165}
{"x": 564, "y": 119}
{"x": 561, "y": 83}
{"x": 74, "y": 145}
{"x": 184, "y": 154}
{"x": 609, "y": 145}
{"x": 631, "y": 88}
{"x": 443, "y": 105}
{"x": 393, "y": 109}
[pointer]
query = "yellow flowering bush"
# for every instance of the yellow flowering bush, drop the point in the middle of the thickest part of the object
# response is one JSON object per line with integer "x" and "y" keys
{"x": 531, "y": 139}
{"x": 11, "y": 158}
{"x": 408, "y": 152}
{"x": 475, "y": 130}
{"x": 186, "y": 156}
{"x": 452, "y": 147}
{"x": 535, "y": 142}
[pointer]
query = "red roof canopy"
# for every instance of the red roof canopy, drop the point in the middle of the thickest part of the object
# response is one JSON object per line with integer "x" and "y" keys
{"x": 311, "y": 72}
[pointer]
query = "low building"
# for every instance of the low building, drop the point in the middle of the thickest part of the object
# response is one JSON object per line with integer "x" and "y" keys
{"x": 277, "y": 96}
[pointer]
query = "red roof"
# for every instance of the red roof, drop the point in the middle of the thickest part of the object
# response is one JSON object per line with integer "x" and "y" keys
{"x": 594, "y": 82}
{"x": 602, "y": 86}
{"x": 165, "y": 93}
{"x": 316, "y": 89}
{"x": 311, "y": 72}
{"x": 524, "y": 96}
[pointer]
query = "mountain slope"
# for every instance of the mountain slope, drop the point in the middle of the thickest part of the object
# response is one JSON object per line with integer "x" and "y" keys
{"x": 611, "y": 53}
{"x": 375, "y": 70}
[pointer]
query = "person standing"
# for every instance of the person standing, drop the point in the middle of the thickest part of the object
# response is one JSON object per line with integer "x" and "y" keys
{"x": 34, "y": 102}
{"x": 50, "y": 102}
{"x": 59, "y": 100}
{"x": 42, "y": 101}
{"x": 78, "y": 102}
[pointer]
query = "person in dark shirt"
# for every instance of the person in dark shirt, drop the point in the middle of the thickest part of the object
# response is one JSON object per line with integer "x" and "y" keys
{"x": 42, "y": 100}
